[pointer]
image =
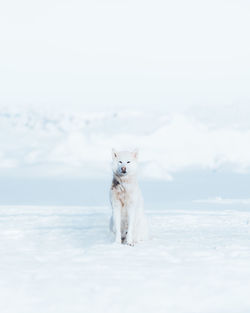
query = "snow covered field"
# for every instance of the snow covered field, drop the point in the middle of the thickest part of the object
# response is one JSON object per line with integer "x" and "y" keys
{"x": 62, "y": 259}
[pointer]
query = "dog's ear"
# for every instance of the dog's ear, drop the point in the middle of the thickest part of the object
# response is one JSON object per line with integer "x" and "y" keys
{"x": 114, "y": 154}
{"x": 135, "y": 153}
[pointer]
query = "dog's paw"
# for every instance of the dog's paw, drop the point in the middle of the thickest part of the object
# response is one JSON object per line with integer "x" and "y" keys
{"x": 130, "y": 243}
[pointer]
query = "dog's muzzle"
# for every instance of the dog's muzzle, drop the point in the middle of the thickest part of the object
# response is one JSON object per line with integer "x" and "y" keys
{"x": 123, "y": 169}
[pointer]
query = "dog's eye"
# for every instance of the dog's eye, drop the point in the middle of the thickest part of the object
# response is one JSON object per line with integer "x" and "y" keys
{"x": 120, "y": 162}
{"x": 128, "y": 161}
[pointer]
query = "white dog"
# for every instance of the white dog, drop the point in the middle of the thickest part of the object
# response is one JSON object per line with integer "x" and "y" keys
{"x": 128, "y": 221}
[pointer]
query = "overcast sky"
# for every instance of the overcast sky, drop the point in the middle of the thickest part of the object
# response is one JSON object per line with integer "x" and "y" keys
{"x": 100, "y": 54}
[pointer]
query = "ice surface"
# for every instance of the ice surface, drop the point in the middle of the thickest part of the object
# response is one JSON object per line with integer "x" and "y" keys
{"x": 62, "y": 259}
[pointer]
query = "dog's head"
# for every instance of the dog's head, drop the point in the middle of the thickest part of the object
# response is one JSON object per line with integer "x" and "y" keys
{"x": 124, "y": 162}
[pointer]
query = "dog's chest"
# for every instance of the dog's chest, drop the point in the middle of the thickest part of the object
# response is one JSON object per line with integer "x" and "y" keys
{"x": 122, "y": 194}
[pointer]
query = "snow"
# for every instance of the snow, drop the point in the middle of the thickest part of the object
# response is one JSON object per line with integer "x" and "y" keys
{"x": 60, "y": 143}
{"x": 62, "y": 259}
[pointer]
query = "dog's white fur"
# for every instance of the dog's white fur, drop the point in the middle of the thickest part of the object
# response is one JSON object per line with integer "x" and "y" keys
{"x": 128, "y": 221}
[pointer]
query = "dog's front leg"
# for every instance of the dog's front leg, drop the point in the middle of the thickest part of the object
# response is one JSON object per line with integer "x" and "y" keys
{"x": 131, "y": 225}
{"x": 117, "y": 221}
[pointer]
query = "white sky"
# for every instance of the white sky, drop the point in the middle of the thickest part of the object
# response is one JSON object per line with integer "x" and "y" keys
{"x": 96, "y": 54}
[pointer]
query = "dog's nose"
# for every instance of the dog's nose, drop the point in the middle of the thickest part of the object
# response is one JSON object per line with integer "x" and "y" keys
{"x": 123, "y": 169}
